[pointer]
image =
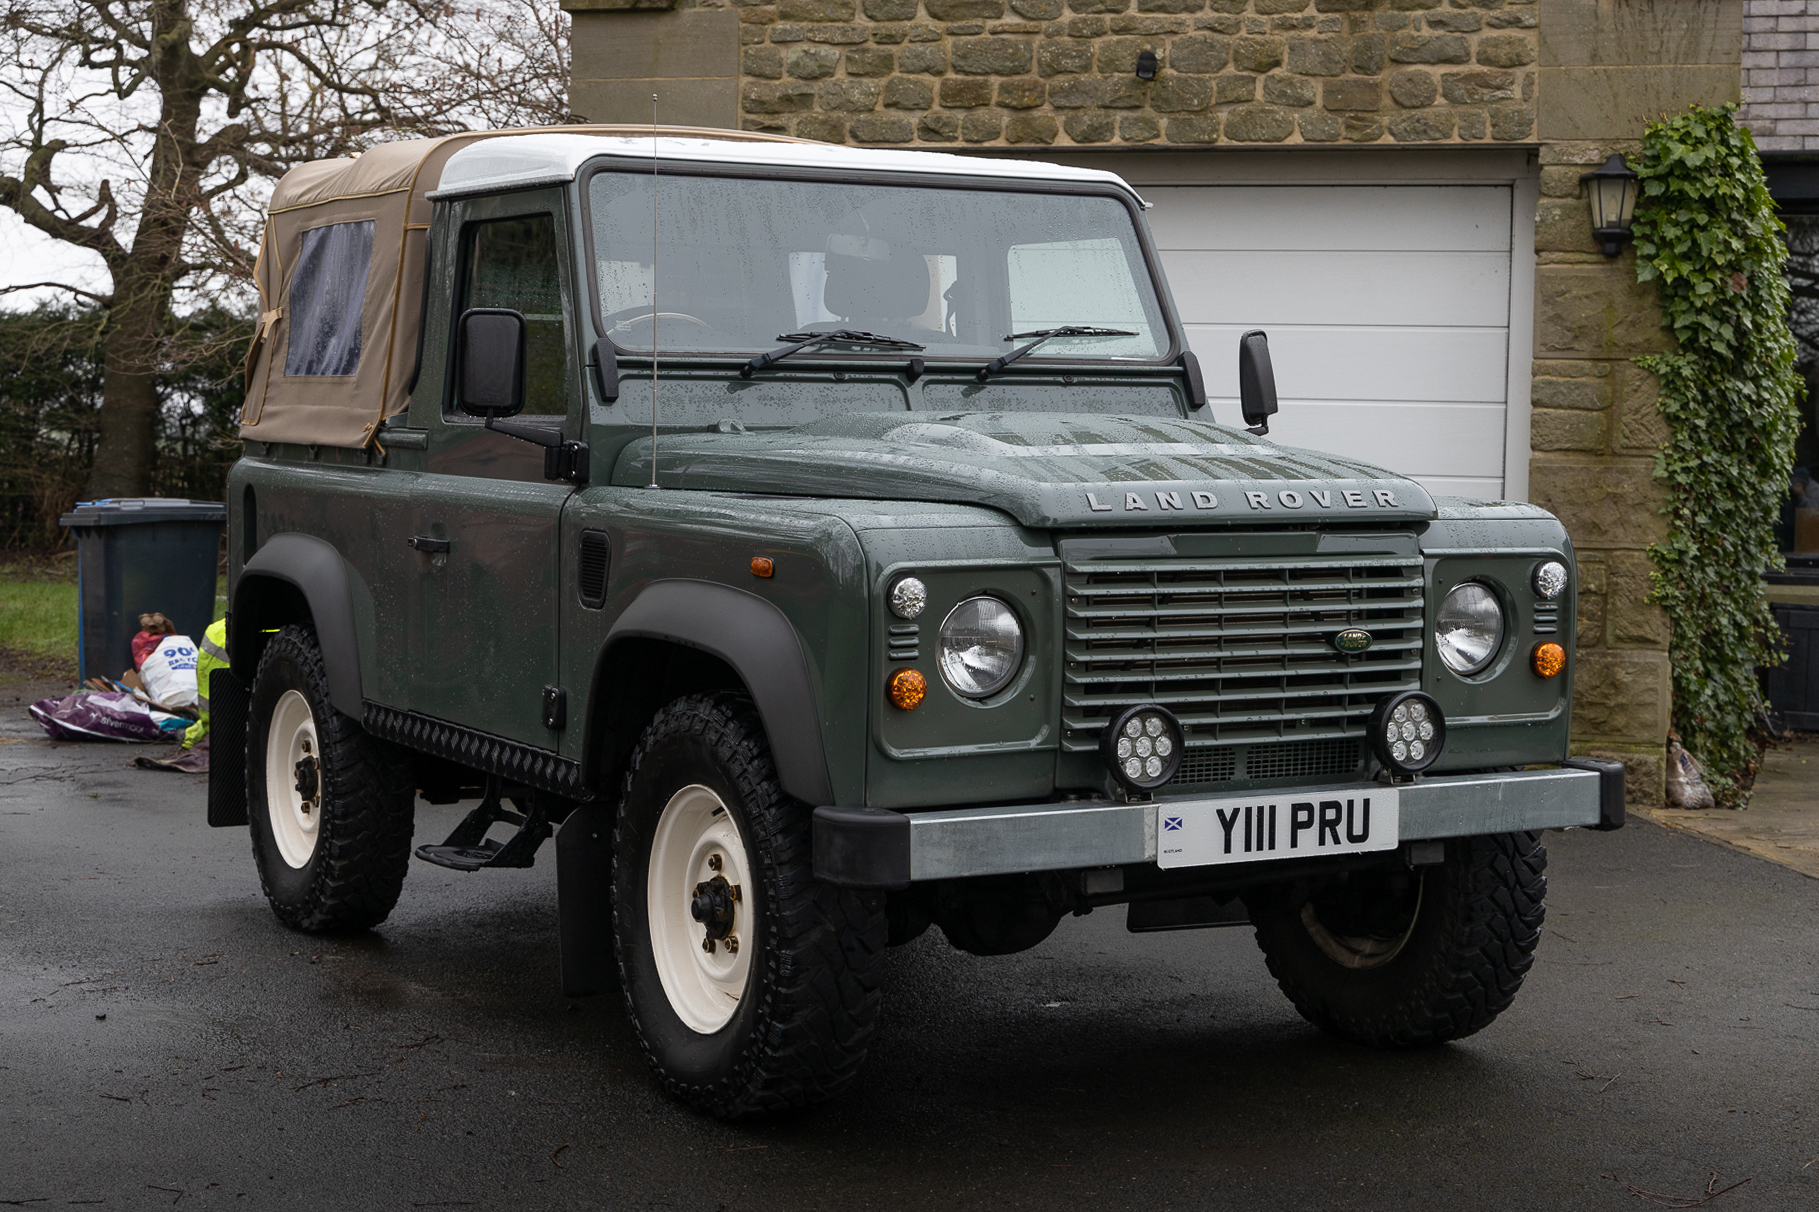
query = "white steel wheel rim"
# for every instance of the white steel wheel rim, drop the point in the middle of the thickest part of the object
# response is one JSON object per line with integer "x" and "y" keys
{"x": 695, "y": 841}
{"x": 1361, "y": 952}
{"x": 291, "y": 739}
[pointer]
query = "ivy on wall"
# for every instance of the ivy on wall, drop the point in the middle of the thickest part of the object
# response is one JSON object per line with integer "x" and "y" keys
{"x": 1706, "y": 231}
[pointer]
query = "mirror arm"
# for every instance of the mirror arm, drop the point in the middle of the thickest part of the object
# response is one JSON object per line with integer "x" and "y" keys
{"x": 563, "y": 458}
{"x": 536, "y": 435}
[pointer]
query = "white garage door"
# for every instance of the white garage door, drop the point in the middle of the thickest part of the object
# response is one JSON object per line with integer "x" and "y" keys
{"x": 1387, "y": 308}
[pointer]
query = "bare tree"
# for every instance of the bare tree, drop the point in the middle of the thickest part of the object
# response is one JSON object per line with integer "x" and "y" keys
{"x": 148, "y": 132}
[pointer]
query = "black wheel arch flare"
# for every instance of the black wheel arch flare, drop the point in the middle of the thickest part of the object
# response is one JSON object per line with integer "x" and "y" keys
{"x": 298, "y": 578}
{"x": 750, "y": 636}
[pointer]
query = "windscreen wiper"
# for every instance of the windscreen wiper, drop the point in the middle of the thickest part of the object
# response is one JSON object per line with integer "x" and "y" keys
{"x": 802, "y": 340}
{"x": 1043, "y": 334}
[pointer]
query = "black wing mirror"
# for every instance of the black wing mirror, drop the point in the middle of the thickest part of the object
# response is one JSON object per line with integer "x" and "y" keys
{"x": 1256, "y": 381}
{"x": 489, "y": 362}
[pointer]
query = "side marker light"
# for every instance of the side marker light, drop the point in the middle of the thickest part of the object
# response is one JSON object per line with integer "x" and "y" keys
{"x": 1548, "y": 660}
{"x": 762, "y": 566}
{"x": 906, "y": 689}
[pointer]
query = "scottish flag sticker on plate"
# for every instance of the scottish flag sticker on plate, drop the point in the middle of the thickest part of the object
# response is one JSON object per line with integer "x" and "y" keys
{"x": 1276, "y": 825}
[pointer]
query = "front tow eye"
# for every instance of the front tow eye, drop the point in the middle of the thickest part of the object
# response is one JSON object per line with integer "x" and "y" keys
{"x": 712, "y": 906}
{"x": 309, "y": 780}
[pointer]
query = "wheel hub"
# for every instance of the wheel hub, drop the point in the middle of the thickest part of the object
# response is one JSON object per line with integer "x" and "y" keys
{"x": 309, "y": 779}
{"x": 712, "y": 906}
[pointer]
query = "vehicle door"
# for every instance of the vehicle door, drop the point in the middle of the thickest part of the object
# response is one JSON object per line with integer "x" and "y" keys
{"x": 485, "y": 639}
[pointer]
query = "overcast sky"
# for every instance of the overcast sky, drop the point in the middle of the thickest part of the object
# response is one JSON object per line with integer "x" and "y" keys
{"x": 28, "y": 255}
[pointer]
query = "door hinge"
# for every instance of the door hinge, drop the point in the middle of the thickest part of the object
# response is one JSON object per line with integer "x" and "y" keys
{"x": 555, "y": 708}
{"x": 566, "y": 462}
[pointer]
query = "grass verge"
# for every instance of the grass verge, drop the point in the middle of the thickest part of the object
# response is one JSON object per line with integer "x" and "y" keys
{"x": 38, "y": 614}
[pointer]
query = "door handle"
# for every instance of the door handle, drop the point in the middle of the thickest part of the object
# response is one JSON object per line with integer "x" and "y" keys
{"x": 424, "y": 542}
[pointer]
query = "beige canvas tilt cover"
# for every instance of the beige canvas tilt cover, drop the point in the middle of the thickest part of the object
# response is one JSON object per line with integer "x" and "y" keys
{"x": 340, "y": 276}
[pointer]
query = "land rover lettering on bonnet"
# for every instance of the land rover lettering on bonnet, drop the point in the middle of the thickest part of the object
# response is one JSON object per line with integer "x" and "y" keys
{"x": 824, "y": 545}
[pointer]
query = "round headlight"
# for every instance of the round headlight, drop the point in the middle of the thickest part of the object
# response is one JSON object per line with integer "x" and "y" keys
{"x": 1469, "y": 628}
{"x": 981, "y": 647}
{"x": 908, "y": 597}
{"x": 1550, "y": 579}
{"x": 1142, "y": 747}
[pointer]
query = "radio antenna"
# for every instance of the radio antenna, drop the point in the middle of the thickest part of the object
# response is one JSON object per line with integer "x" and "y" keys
{"x": 653, "y": 483}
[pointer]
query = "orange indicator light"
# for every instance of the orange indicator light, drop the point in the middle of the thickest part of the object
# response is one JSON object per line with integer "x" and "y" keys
{"x": 907, "y": 689}
{"x": 1549, "y": 659}
{"x": 762, "y": 566}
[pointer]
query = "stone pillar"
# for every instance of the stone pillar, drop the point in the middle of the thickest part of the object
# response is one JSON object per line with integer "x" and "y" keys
{"x": 622, "y": 51}
{"x": 1606, "y": 68}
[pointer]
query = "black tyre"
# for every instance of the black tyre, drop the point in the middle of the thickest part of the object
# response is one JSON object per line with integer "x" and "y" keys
{"x": 1408, "y": 958}
{"x": 752, "y": 986}
{"x": 330, "y": 806}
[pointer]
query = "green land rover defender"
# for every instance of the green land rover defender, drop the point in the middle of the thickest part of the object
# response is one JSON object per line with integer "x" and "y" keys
{"x": 822, "y": 544}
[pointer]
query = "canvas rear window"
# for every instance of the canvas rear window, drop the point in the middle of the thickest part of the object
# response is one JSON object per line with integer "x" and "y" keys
{"x": 328, "y": 297}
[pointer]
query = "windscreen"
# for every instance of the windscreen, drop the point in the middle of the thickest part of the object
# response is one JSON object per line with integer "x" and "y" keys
{"x": 742, "y": 260}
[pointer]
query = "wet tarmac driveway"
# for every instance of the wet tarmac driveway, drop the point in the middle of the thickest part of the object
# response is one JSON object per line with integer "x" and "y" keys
{"x": 1667, "y": 1041}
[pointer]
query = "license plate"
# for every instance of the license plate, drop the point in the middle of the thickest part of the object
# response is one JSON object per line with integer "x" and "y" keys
{"x": 1269, "y": 825}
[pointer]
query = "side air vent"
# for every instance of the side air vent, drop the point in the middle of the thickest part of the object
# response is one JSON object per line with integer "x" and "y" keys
{"x": 596, "y": 561}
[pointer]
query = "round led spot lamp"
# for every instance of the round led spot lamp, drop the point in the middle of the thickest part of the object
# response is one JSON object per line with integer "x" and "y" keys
{"x": 1407, "y": 731}
{"x": 909, "y": 597}
{"x": 1550, "y": 579}
{"x": 1548, "y": 660}
{"x": 906, "y": 689}
{"x": 1142, "y": 747}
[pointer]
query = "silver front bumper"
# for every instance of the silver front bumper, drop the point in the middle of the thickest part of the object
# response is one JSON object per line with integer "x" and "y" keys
{"x": 876, "y": 848}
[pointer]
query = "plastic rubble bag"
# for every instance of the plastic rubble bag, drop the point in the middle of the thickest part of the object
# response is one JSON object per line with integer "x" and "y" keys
{"x": 105, "y": 715}
{"x": 1685, "y": 781}
{"x": 169, "y": 671}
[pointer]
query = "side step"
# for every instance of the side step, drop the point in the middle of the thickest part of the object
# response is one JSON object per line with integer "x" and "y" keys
{"x": 469, "y": 849}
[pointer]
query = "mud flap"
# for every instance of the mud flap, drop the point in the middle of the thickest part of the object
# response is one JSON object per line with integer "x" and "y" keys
{"x": 584, "y": 901}
{"x": 228, "y": 704}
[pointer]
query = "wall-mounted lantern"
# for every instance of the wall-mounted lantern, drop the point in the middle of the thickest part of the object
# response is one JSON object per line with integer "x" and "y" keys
{"x": 1612, "y": 189}
{"x": 1146, "y": 65}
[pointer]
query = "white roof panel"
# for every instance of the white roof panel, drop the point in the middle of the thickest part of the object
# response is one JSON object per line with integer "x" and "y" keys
{"x": 518, "y": 161}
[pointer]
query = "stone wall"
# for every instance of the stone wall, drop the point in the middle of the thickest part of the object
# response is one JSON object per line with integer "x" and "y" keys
{"x": 1064, "y": 72}
{"x": 1059, "y": 72}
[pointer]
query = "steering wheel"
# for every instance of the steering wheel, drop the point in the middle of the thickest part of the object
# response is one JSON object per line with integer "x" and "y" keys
{"x": 619, "y": 321}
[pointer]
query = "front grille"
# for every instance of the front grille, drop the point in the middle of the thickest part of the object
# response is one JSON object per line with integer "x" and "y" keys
{"x": 1207, "y": 766}
{"x": 1242, "y": 652}
{"x": 1333, "y": 758}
